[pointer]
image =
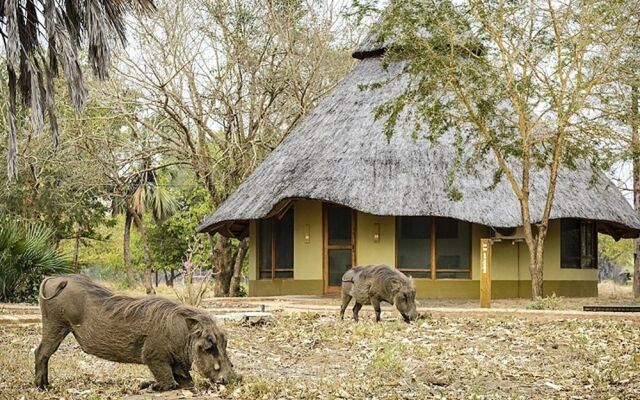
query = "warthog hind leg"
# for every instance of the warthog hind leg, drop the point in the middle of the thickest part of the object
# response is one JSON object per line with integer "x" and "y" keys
{"x": 346, "y": 298}
{"x": 52, "y": 336}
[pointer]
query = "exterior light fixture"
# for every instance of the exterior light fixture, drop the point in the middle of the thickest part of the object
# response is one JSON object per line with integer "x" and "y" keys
{"x": 307, "y": 233}
{"x": 376, "y": 233}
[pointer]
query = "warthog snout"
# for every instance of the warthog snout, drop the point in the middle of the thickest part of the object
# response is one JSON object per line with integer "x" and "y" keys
{"x": 232, "y": 377}
{"x": 412, "y": 316}
{"x": 405, "y": 301}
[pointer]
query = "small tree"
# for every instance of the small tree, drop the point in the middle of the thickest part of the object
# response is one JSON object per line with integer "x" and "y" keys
{"x": 193, "y": 293}
{"x": 518, "y": 81}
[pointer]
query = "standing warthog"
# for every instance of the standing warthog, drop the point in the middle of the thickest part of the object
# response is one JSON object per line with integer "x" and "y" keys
{"x": 375, "y": 284}
{"x": 165, "y": 336}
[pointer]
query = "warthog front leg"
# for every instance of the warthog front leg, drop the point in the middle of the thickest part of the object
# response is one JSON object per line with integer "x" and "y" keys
{"x": 158, "y": 362}
{"x": 164, "y": 377}
{"x": 376, "y": 306}
{"x": 182, "y": 376}
{"x": 356, "y": 310}
{"x": 52, "y": 336}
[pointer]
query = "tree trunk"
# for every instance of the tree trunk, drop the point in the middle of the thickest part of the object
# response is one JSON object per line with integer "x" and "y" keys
{"x": 222, "y": 261}
{"x": 76, "y": 249}
{"x": 126, "y": 249}
{"x": 635, "y": 143}
{"x": 168, "y": 278}
{"x": 237, "y": 268}
{"x": 536, "y": 266}
{"x": 148, "y": 260}
{"x": 535, "y": 244}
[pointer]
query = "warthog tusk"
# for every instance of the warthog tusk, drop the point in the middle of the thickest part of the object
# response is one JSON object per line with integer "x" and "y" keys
{"x": 216, "y": 366}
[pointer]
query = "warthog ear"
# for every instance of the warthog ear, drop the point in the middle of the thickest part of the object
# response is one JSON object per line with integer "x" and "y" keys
{"x": 411, "y": 282}
{"x": 193, "y": 324}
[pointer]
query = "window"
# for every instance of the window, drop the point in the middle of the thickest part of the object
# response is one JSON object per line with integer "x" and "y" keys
{"x": 275, "y": 247}
{"x": 579, "y": 244}
{"x": 414, "y": 246}
{"x": 426, "y": 241}
{"x": 453, "y": 245}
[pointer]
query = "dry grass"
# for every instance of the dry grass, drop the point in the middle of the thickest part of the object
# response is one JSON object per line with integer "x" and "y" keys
{"x": 313, "y": 356}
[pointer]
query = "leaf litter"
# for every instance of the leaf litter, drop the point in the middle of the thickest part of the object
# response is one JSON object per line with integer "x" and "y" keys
{"x": 315, "y": 356}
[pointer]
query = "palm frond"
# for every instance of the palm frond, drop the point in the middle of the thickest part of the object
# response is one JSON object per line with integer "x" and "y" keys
{"x": 41, "y": 34}
{"x": 163, "y": 203}
{"x": 139, "y": 200}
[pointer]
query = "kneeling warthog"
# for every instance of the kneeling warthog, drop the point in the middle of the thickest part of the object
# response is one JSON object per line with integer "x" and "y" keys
{"x": 165, "y": 336}
{"x": 375, "y": 284}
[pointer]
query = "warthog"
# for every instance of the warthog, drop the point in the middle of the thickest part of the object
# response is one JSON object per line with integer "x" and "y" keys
{"x": 375, "y": 284}
{"x": 165, "y": 336}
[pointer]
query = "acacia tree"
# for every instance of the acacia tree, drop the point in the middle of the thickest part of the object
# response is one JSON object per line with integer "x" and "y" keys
{"x": 129, "y": 162}
{"x": 518, "y": 79}
{"x": 39, "y": 37}
{"x": 622, "y": 96}
{"x": 228, "y": 80}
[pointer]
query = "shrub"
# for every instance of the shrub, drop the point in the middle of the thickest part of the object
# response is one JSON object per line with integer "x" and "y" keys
{"x": 26, "y": 257}
{"x": 552, "y": 302}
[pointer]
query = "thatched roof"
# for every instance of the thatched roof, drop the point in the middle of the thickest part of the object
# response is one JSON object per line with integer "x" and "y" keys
{"x": 339, "y": 154}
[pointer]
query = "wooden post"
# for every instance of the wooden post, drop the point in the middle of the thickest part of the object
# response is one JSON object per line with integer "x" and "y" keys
{"x": 485, "y": 273}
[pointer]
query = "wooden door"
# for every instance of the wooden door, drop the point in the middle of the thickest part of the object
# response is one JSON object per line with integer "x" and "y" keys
{"x": 339, "y": 244}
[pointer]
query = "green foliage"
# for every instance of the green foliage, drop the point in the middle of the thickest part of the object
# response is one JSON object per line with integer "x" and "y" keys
{"x": 242, "y": 290}
{"x": 546, "y": 303}
{"x": 620, "y": 252}
{"x": 60, "y": 186}
{"x": 26, "y": 257}
{"x": 102, "y": 258}
{"x": 171, "y": 239}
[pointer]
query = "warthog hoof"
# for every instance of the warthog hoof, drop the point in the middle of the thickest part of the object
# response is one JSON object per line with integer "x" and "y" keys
{"x": 42, "y": 385}
{"x": 157, "y": 387}
{"x": 42, "y": 381}
{"x": 145, "y": 384}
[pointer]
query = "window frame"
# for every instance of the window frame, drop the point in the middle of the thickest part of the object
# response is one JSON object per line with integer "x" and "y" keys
{"x": 275, "y": 221}
{"x": 594, "y": 245}
{"x": 433, "y": 252}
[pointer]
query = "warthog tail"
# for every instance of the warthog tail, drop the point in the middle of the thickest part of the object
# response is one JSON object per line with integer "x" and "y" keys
{"x": 61, "y": 286}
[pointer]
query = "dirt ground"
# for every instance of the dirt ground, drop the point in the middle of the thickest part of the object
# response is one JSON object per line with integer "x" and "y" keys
{"x": 311, "y": 355}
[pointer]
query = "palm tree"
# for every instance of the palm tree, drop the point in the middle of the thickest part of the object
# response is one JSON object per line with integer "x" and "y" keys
{"x": 39, "y": 37}
{"x": 27, "y": 255}
{"x": 144, "y": 193}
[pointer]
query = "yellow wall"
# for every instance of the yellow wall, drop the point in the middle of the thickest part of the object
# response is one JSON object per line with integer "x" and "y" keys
{"x": 367, "y": 251}
{"x": 508, "y": 254}
{"x": 307, "y": 257}
{"x": 509, "y": 270}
